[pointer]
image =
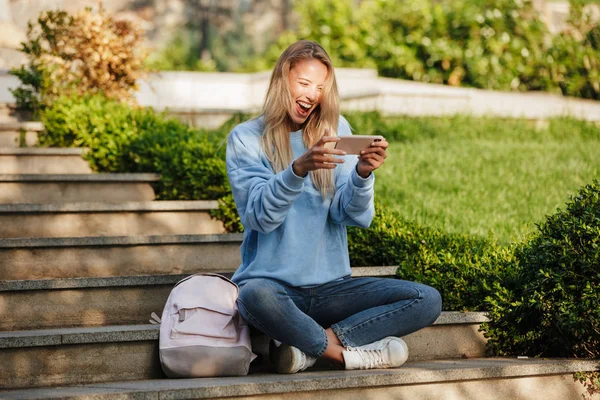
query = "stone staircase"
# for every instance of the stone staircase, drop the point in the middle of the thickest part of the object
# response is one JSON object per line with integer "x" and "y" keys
{"x": 19, "y": 134}
{"x": 86, "y": 258}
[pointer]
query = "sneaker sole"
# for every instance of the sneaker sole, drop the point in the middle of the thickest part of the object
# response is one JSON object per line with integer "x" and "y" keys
{"x": 405, "y": 347}
{"x": 282, "y": 358}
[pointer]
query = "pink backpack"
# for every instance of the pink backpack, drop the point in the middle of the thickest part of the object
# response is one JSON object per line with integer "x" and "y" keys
{"x": 201, "y": 332}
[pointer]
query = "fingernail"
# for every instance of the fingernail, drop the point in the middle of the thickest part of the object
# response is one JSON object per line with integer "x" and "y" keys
{"x": 362, "y": 152}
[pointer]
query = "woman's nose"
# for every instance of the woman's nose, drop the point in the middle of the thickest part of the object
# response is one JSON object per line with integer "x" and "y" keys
{"x": 312, "y": 94}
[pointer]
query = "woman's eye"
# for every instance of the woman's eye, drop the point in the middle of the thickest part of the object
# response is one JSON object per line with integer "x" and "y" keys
{"x": 304, "y": 84}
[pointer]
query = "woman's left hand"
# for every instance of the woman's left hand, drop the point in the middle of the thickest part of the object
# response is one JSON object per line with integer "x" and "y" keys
{"x": 372, "y": 158}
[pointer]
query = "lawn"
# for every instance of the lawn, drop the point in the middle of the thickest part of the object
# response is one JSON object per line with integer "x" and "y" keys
{"x": 483, "y": 176}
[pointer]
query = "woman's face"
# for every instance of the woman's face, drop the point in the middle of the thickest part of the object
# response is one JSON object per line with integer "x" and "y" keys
{"x": 306, "y": 79}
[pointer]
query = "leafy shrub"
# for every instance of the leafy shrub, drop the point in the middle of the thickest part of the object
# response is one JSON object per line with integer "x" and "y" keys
{"x": 574, "y": 58}
{"x": 345, "y": 30}
{"x": 462, "y": 267}
{"x": 191, "y": 162}
{"x": 590, "y": 381}
{"x": 227, "y": 213}
{"x": 551, "y": 307}
{"x": 226, "y": 48}
{"x": 82, "y": 53}
{"x": 121, "y": 138}
{"x": 180, "y": 55}
{"x": 225, "y": 128}
{"x": 103, "y": 126}
{"x": 493, "y": 44}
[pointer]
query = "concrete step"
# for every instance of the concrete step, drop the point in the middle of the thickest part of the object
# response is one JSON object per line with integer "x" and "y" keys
{"x": 42, "y": 161}
{"x": 85, "y": 302}
{"x": 10, "y": 110}
{"x": 499, "y": 379}
{"x": 47, "y": 258}
{"x": 107, "y": 219}
{"x": 19, "y": 133}
{"x": 50, "y": 188}
{"x": 475, "y": 379}
{"x": 6, "y": 109}
{"x": 9, "y": 114}
{"x": 104, "y": 354}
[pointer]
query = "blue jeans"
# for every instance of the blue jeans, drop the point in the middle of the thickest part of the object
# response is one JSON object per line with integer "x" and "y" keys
{"x": 358, "y": 310}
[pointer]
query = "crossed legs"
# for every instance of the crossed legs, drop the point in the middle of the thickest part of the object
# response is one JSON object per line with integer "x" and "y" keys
{"x": 324, "y": 320}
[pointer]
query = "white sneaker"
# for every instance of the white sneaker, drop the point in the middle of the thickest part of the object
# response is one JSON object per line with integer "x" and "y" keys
{"x": 289, "y": 359}
{"x": 389, "y": 352}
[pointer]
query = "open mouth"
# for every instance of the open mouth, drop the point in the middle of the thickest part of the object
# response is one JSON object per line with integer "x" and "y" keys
{"x": 303, "y": 108}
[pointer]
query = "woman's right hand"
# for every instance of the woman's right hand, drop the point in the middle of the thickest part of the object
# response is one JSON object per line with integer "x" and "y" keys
{"x": 319, "y": 156}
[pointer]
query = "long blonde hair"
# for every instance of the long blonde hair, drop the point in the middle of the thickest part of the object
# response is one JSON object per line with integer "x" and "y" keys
{"x": 277, "y": 123}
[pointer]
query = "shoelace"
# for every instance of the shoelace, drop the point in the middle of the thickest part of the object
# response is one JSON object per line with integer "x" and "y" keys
{"x": 371, "y": 358}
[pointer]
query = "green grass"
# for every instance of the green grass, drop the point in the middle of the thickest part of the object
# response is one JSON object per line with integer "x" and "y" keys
{"x": 483, "y": 176}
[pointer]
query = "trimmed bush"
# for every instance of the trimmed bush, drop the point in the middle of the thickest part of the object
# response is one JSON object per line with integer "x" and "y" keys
{"x": 551, "y": 306}
{"x": 191, "y": 162}
{"x": 104, "y": 126}
{"x": 227, "y": 213}
{"x": 121, "y": 138}
{"x": 462, "y": 268}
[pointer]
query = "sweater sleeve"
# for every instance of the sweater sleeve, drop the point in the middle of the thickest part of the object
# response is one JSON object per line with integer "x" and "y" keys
{"x": 262, "y": 197}
{"x": 353, "y": 202}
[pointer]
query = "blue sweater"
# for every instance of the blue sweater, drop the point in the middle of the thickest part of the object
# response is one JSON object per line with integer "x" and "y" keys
{"x": 291, "y": 233}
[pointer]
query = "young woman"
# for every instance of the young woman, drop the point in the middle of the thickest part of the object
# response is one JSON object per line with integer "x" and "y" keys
{"x": 295, "y": 195}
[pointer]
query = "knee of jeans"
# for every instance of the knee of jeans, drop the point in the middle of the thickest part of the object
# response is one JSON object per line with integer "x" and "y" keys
{"x": 433, "y": 299}
{"x": 258, "y": 292}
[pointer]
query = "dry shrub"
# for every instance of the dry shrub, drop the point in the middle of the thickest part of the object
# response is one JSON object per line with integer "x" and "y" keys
{"x": 87, "y": 52}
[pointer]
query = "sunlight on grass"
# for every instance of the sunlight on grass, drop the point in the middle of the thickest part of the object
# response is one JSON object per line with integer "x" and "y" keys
{"x": 482, "y": 178}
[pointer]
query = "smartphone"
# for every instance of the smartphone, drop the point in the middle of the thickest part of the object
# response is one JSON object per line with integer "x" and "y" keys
{"x": 356, "y": 143}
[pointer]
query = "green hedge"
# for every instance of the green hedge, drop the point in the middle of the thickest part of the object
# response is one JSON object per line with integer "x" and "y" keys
{"x": 462, "y": 267}
{"x": 105, "y": 127}
{"x": 492, "y": 44}
{"x": 122, "y": 138}
{"x": 551, "y": 305}
{"x": 191, "y": 162}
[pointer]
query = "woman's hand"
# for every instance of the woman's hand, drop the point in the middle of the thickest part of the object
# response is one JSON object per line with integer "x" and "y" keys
{"x": 371, "y": 158}
{"x": 319, "y": 156}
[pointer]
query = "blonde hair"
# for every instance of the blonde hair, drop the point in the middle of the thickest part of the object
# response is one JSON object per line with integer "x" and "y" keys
{"x": 277, "y": 123}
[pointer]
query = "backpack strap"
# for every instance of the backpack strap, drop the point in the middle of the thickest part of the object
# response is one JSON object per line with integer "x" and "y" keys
{"x": 209, "y": 274}
{"x": 155, "y": 319}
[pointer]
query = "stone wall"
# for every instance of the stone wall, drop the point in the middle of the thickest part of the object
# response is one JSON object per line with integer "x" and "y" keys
{"x": 208, "y": 99}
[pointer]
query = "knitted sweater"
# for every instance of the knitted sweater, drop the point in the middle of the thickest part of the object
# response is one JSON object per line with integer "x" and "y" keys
{"x": 291, "y": 233}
